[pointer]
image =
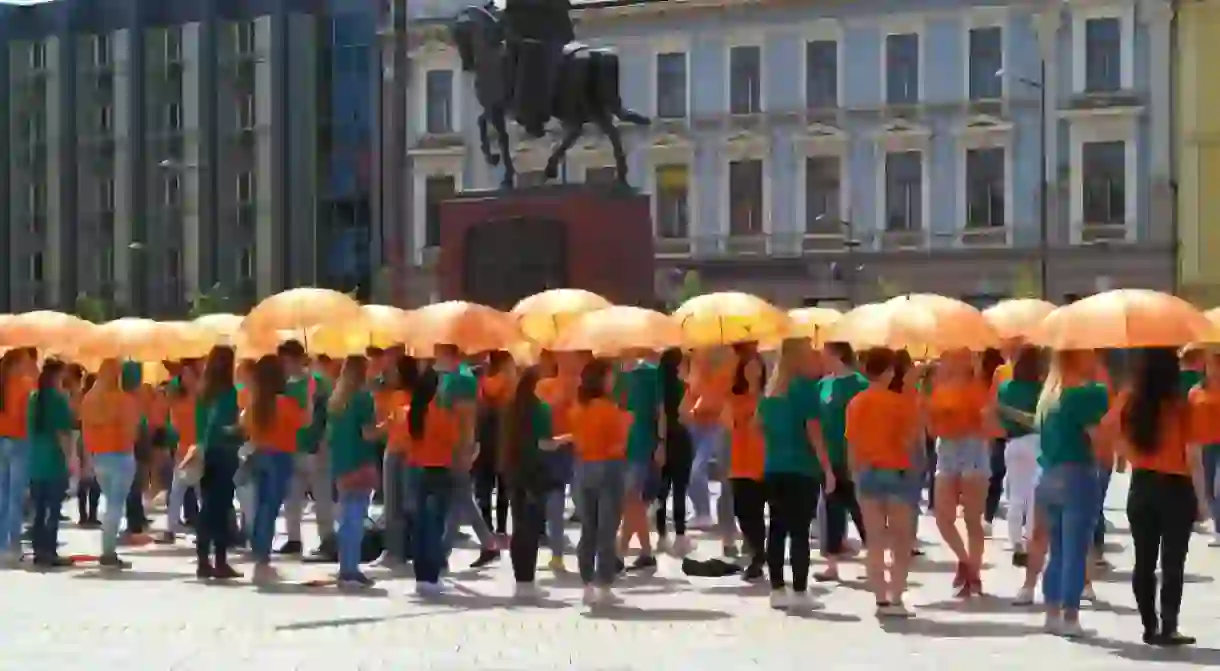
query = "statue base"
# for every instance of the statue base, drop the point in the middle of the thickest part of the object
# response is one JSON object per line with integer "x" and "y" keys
{"x": 497, "y": 247}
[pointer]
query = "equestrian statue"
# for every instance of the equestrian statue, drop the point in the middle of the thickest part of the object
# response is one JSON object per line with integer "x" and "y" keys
{"x": 529, "y": 67}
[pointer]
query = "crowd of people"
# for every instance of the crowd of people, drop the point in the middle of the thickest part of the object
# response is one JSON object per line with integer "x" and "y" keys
{"x": 802, "y": 441}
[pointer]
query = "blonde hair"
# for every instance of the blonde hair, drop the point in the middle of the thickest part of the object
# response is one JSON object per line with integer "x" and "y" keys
{"x": 1052, "y": 387}
{"x": 790, "y": 351}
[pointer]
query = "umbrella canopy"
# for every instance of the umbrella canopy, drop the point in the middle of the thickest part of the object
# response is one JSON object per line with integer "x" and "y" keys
{"x": 1017, "y": 317}
{"x": 301, "y": 310}
{"x": 620, "y": 329}
{"x": 728, "y": 318}
{"x": 470, "y": 327}
{"x": 1124, "y": 319}
{"x": 544, "y": 316}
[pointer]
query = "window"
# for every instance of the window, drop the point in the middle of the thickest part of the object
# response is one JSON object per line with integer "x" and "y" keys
{"x": 1103, "y": 54}
{"x": 172, "y": 190}
{"x": 38, "y": 55}
{"x": 105, "y": 195}
{"x": 173, "y": 44}
{"x": 437, "y": 189}
{"x": 245, "y": 187}
{"x": 985, "y": 188}
{"x": 821, "y": 74}
{"x": 102, "y": 49}
{"x": 602, "y": 175}
{"x": 673, "y": 201}
{"x": 243, "y": 37}
{"x": 822, "y": 181}
{"x": 1104, "y": 181}
{"x": 904, "y": 191}
{"x": 902, "y": 69}
{"x": 105, "y": 118}
{"x": 246, "y": 113}
{"x": 671, "y": 85}
{"x": 173, "y": 116}
{"x": 105, "y": 264}
{"x": 745, "y": 80}
{"x": 439, "y": 100}
{"x": 35, "y": 267}
{"x": 173, "y": 264}
{"x": 36, "y": 200}
{"x": 245, "y": 263}
{"x": 746, "y": 197}
{"x": 986, "y": 62}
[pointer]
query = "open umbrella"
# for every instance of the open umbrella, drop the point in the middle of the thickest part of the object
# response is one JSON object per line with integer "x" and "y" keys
{"x": 813, "y": 323}
{"x": 134, "y": 338}
{"x": 620, "y": 329}
{"x": 382, "y": 326}
{"x": 1124, "y": 319}
{"x": 301, "y": 310}
{"x": 544, "y": 316}
{"x": 925, "y": 325}
{"x": 730, "y": 317}
{"x": 470, "y": 327}
{"x": 1017, "y": 317}
{"x": 44, "y": 329}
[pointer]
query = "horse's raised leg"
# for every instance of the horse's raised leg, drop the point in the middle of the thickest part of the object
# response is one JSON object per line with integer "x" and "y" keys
{"x": 500, "y": 124}
{"x": 571, "y": 133}
{"x": 606, "y": 124}
{"x": 485, "y": 143}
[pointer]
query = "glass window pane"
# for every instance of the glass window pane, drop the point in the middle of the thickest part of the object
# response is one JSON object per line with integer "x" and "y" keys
{"x": 903, "y": 191}
{"x": 985, "y": 187}
{"x": 986, "y": 61}
{"x": 902, "y": 68}
{"x": 821, "y": 74}
{"x": 746, "y": 197}
{"x": 1103, "y": 54}
{"x": 822, "y": 194}
{"x": 1104, "y": 177}
{"x": 437, "y": 190}
{"x": 439, "y": 100}
{"x": 671, "y": 195}
{"x": 671, "y": 85}
{"x": 745, "y": 83}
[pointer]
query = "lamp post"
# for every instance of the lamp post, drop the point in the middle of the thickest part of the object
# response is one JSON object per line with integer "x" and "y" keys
{"x": 1039, "y": 85}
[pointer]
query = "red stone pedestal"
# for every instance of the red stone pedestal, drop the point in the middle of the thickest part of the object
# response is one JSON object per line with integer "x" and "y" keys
{"x": 498, "y": 247}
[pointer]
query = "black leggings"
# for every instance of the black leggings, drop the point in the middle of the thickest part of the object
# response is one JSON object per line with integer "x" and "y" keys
{"x": 88, "y": 493}
{"x": 485, "y": 473}
{"x": 792, "y": 498}
{"x": 529, "y": 525}
{"x": 212, "y": 536}
{"x": 1161, "y": 510}
{"x": 749, "y": 507}
{"x": 839, "y": 504}
{"x": 995, "y": 486}
{"x": 675, "y": 478}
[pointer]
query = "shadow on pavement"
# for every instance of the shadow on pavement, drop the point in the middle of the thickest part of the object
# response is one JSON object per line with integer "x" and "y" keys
{"x": 1124, "y": 576}
{"x": 299, "y": 589}
{"x": 1139, "y": 652}
{"x": 826, "y": 616}
{"x": 632, "y": 614}
{"x": 959, "y": 629}
{"x": 352, "y": 621}
{"x": 925, "y": 565}
{"x": 986, "y": 604}
{"x": 744, "y": 589}
{"x": 131, "y": 575}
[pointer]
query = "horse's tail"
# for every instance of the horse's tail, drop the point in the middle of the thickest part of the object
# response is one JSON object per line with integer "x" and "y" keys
{"x": 606, "y": 87}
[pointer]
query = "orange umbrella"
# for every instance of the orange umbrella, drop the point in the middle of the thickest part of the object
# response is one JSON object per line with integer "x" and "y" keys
{"x": 132, "y": 338}
{"x": 1124, "y": 319}
{"x": 302, "y": 309}
{"x": 223, "y": 325}
{"x": 382, "y": 326}
{"x": 925, "y": 325}
{"x": 544, "y": 316}
{"x": 812, "y": 323}
{"x": 730, "y": 317}
{"x": 471, "y": 327}
{"x": 620, "y": 329}
{"x": 1018, "y": 317}
{"x": 188, "y": 340}
{"x": 44, "y": 329}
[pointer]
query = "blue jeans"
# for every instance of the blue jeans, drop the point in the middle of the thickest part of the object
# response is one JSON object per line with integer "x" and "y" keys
{"x": 1211, "y": 459}
{"x": 272, "y": 475}
{"x": 353, "y": 511}
{"x": 709, "y": 442}
{"x": 1068, "y": 495}
{"x": 14, "y": 480}
{"x": 115, "y": 473}
{"x": 432, "y": 497}
{"x": 599, "y": 492}
{"x": 47, "y": 497}
{"x": 1103, "y": 485}
{"x": 463, "y": 509}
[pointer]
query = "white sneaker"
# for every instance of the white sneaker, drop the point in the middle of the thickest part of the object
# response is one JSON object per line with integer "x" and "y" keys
{"x": 802, "y": 602}
{"x": 1053, "y": 624}
{"x": 1072, "y": 629}
{"x": 386, "y": 560}
{"x": 1088, "y": 594}
{"x": 1024, "y": 597}
{"x": 607, "y": 597}
{"x": 682, "y": 546}
{"x": 429, "y": 589}
{"x": 528, "y": 591}
{"x": 779, "y": 599}
{"x": 702, "y": 522}
{"x": 590, "y": 596}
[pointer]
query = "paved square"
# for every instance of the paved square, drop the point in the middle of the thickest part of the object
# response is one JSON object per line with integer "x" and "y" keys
{"x": 156, "y": 617}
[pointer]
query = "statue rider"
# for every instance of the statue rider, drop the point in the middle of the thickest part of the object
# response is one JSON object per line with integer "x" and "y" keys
{"x": 537, "y": 32}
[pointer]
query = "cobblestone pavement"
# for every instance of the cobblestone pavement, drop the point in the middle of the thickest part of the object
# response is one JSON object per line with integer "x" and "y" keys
{"x": 157, "y": 617}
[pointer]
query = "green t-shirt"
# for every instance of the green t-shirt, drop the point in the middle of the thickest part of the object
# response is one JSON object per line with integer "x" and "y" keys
{"x": 47, "y": 460}
{"x": 1019, "y": 395}
{"x": 529, "y": 465}
{"x": 804, "y": 393}
{"x": 1064, "y": 429}
{"x": 834, "y": 393}
{"x": 213, "y": 419}
{"x": 349, "y": 450}
{"x": 310, "y": 437}
{"x": 786, "y": 450}
{"x": 457, "y": 386}
{"x": 1188, "y": 379}
{"x": 642, "y": 398}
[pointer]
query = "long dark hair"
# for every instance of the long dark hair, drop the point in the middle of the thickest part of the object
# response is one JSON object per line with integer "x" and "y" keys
{"x": 421, "y": 398}
{"x": 408, "y": 372}
{"x": 593, "y": 381}
{"x": 217, "y": 373}
{"x": 902, "y": 365}
{"x": 8, "y": 362}
{"x": 672, "y": 387}
{"x": 843, "y": 352}
{"x": 517, "y": 428}
{"x": 741, "y": 386}
{"x": 268, "y": 385}
{"x": 992, "y": 359}
{"x": 48, "y": 378}
{"x": 1154, "y": 389}
{"x": 1030, "y": 365}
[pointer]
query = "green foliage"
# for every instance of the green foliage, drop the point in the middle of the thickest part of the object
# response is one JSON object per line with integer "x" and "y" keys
{"x": 887, "y": 289}
{"x": 692, "y": 285}
{"x": 209, "y": 302}
{"x": 1026, "y": 283}
{"x": 94, "y": 309}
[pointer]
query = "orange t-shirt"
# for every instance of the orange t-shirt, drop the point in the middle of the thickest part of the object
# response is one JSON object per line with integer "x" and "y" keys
{"x": 182, "y": 415}
{"x": 13, "y": 417}
{"x": 558, "y": 392}
{"x": 398, "y": 438}
{"x": 747, "y": 449}
{"x": 1169, "y": 457}
{"x": 385, "y": 402}
{"x": 599, "y": 430}
{"x": 441, "y": 435}
{"x": 711, "y": 389}
{"x": 1204, "y": 416}
{"x": 117, "y": 436}
{"x": 494, "y": 390}
{"x": 280, "y": 435}
{"x": 955, "y": 409}
{"x": 880, "y": 428}
{"x": 243, "y": 396}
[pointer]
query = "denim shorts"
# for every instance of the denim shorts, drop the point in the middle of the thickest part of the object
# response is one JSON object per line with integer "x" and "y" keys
{"x": 963, "y": 456}
{"x": 890, "y": 484}
{"x": 643, "y": 479}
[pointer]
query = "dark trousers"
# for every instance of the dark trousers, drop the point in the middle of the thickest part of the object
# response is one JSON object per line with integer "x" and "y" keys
{"x": 485, "y": 474}
{"x": 137, "y": 522}
{"x": 529, "y": 525}
{"x": 841, "y": 503}
{"x": 212, "y": 531}
{"x": 995, "y": 486}
{"x": 675, "y": 479}
{"x": 929, "y": 448}
{"x": 1161, "y": 510}
{"x": 792, "y": 498}
{"x": 47, "y": 498}
{"x": 433, "y": 497}
{"x": 88, "y": 494}
{"x": 749, "y": 507}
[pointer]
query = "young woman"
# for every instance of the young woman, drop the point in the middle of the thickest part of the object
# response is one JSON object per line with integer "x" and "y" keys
{"x": 881, "y": 429}
{"x": 50, "y": 424}
{"x": 1162, "y": 503}
{"x": 435, "y": 434}
{"x": 219, "y": 440}
{"x": 527, "y": 434}
{"x": 747, "y": 453}
{"x": 711, "y": 376}
{"x": 599, "y": 436}
{"x": 1016, "y": 402}
{"x": 679, "y": 455}
{"x": 351, "y": 434}
{"x": 1068, "y": 418}
{"x": 271, "y": 423}
{"x": 495, "y": 392}
{"x": 790, "y": 472}
{"x": 1204, "y": 400}
{"x": 993, "y": 370}
{"x": 959, "y": 416}
{"x": 834, "y": 392}
{"x": 638, "y": 389}
{"x": 394, "y": 470}
{"x": 88, "y": 492}
{"x": 557, "y": 389}
{"x": 110, "y": 422}
{"x": 182, "y": 404}
{"x": 15, "y": 388}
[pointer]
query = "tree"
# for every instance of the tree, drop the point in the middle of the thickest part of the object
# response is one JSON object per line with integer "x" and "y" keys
{"x": 1026, "y": 283}
{"x": 887, "y": 289}
{"x": 209, "y": 302}
{"x": 692, "y": 285}
{"x": 93, "y": 308}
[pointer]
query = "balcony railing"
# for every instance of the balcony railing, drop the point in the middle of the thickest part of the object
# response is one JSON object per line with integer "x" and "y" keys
{"x": 796, "y": 244}
{"x": 1096, "y": 233}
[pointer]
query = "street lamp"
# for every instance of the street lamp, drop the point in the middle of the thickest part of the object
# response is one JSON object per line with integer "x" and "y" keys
{"x": 1039, "y": 85}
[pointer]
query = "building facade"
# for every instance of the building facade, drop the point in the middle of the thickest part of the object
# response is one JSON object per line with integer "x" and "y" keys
{"x": 157, "y": 150}
{"x": 1198, "y": 137}
{"x": 835, "y": 151}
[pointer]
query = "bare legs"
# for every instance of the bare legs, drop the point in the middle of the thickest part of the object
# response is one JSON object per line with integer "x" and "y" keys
{"x": 891, "y": 528}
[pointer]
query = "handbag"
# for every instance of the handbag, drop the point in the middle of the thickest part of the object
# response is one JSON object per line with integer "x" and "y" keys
{"x": 190, "y": 470}
{"x": 365, "y": 478}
